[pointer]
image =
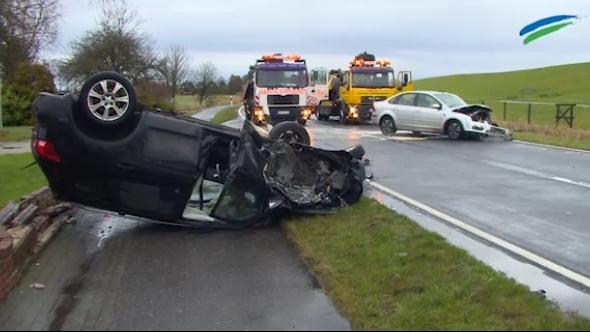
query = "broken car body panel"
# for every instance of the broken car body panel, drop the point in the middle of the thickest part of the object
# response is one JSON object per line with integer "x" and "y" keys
{"x": 481, "y": 121}
{"x": 183, "y": 170}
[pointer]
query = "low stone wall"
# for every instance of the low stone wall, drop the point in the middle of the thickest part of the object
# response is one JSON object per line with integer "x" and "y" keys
{"x": 26, "y": 226}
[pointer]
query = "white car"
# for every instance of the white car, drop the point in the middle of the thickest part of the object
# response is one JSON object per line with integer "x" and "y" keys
{"x": 435, "y": 112}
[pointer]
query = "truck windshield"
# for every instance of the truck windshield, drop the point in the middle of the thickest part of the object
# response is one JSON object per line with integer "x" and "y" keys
{"x": 281, "y": 78}
{"x": 373, "y": 80}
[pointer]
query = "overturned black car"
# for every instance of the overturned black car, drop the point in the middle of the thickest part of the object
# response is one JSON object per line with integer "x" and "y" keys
{"x": 104, "y": 150}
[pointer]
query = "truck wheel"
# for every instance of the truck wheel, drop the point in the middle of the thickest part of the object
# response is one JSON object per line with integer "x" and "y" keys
{"x": 344, "y": 109}
{"x": 292, "y": 132}
{"x": 108, "y": 99}
{"x": 318, "y": 113}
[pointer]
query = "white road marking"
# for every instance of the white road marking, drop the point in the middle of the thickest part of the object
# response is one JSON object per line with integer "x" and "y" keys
{"x": 534, "y": 173}
{"x": 541, "y": 261}
{"x": 551, "y": 146}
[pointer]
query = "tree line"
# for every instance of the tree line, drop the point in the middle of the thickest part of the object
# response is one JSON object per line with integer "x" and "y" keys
{"x": 116, "y": 43}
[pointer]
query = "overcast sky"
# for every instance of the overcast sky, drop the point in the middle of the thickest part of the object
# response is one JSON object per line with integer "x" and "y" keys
{"x": 429, "y": 37}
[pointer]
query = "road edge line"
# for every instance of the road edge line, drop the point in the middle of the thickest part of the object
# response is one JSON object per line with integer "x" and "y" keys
{"x": 541, "y": 261}
{"x": 550, "y": 146}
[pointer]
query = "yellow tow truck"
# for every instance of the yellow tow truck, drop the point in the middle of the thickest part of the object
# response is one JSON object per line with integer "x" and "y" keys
{"x": 351, "y": 93}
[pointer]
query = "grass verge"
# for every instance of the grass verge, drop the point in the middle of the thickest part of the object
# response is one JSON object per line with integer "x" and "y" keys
{"x": 15, "y": 182}
{"x": 565, "y": 142}
{"x": 15, "y": 134}
{"x": 189, "y": 104}
{"x": 558, "y": 136}
{"x": 385, "y": 272}
{"x": 226, "y": 114}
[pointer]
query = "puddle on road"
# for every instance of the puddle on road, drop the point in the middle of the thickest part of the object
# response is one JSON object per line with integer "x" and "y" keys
{"x": 569, "y": 296}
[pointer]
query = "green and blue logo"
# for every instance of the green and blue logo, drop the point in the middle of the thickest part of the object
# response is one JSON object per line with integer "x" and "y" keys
{"x": 546, "y": 26}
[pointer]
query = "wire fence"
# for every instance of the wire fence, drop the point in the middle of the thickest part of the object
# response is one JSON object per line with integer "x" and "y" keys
{"x": 572, "y": 115}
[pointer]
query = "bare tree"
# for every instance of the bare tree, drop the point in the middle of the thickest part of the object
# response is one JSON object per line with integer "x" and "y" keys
{"x": 175, "y": 68}
{"x": 26, "y": 27}
{"x": 116, "y": 44}
{"x": 205, "y": 76}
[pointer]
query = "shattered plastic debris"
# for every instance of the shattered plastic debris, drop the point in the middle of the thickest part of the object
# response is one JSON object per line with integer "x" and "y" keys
{"x": 37, "y": 286}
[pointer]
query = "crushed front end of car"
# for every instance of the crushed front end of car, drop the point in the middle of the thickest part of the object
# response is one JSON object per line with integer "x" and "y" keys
{"x": 481, "y": 122}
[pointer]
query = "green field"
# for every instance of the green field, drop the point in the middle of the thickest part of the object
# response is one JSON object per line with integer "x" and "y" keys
{"x": 226, "y": 114}
{"x": 384, "y": 272}
{"x": 189, "y": 104}
{"x": 561, "y": 84}
{"x": 15, "y": 182}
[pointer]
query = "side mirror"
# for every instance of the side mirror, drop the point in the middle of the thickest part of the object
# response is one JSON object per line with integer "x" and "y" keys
{"x": 406, "y": 79}
{"x": 252, "y": 67}
{"x": 437, "y": 106}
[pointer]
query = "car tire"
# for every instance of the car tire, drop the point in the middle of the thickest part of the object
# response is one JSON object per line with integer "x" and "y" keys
{"x": 108, "y": 99}
{"x": 292, "y": 132}
{"x": 354, "y": 193}
{"x": 387, "y": 126}
{"x": 454, "y": 129}
{"x": 356, "y": 152}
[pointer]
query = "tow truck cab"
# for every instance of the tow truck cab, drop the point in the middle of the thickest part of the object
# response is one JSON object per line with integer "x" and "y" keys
{"x": 277, "y": 90}
{"x": 366, "y": 80}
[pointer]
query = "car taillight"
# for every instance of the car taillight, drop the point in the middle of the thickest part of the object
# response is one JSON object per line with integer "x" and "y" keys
{"x": 46, "y": 151}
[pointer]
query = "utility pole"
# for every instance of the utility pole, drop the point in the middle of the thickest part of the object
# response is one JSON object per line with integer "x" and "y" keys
{"x": 1, "y": 74}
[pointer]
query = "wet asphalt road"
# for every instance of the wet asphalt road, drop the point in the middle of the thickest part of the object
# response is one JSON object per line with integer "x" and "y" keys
{"x": 112, "y": 273}
{"x": 535, "y": 197}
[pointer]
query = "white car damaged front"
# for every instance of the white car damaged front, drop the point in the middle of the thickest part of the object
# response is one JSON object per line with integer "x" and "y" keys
{"x": 435, "y": 112}
{"x": 476, "y": 119}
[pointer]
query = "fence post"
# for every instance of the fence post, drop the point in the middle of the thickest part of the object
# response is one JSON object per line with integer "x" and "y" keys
{"x": 529, "y": 114}
{"x": 1, "y": 120}
{"x": 504, "y": 111}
